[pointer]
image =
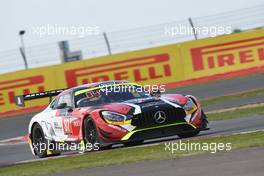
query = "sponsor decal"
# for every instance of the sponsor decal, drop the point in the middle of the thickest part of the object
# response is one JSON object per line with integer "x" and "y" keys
{"x": 137, "y": 69}
{"x": 9, "y": 89}
{"x": 57, "y": 125}
{"x": 239, "y": 53}
{"x": 77, "y": 123}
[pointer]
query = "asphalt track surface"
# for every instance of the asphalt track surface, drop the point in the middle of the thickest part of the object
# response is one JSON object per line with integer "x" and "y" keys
{"x": 17, "y": 126}
{"x": 15, "y": 153}
{"x": 223, "y": 87}
{"x": 244, "y": 162}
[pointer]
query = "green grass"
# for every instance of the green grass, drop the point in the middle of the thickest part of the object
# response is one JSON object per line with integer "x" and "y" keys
{"x": 126, "y": 155}
{"x": 237, "y": 113}
{"x": 239, "y": 96}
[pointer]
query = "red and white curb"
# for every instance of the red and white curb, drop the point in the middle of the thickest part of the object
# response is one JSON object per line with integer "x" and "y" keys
{"x": 14, "y": 141}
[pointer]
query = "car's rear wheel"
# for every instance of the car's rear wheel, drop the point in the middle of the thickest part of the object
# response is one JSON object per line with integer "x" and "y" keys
{"x": 39, "y": 142}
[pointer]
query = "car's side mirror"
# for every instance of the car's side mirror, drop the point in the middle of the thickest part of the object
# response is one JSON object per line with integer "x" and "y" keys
{"x": 62, "y": 106}
{"x": 70, "y": 109}
{"x": 155, "y": 93}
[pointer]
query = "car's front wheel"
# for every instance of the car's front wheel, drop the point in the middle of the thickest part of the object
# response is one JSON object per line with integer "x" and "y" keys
{"x": 90, "y": 132}
{"x": 91, "y": 136}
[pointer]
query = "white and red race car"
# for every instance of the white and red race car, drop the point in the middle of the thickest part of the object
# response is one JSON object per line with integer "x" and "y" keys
{"x": 91, "y": 114}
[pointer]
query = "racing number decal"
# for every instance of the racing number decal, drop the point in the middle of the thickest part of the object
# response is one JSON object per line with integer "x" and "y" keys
{"x": 66, "y": 125}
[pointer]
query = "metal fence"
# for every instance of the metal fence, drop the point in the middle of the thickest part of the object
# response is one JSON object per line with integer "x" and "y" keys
{"x": 133, "y": 39}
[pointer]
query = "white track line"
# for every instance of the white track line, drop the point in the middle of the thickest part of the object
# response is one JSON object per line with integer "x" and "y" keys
{"x": 13, "y": 141}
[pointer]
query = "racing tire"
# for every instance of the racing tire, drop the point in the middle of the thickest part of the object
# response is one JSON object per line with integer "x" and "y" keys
{"x": 91, "y": 135}
{"x": 204, "y": 120}
{"x": 39, "y": 141}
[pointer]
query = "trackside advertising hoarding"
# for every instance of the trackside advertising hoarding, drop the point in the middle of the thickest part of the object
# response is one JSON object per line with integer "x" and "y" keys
{"x": 173, "y": 65}
{"x": 223, "y": 54}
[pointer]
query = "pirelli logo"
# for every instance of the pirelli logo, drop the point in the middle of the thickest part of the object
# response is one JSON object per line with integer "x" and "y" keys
{"x": 135, "y": 69}
{"x": 233, "y": 53}
{"x": 9, "y": 89}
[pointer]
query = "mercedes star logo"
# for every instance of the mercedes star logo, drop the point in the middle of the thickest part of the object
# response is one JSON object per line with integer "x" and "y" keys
{"x": 160, "y": 117}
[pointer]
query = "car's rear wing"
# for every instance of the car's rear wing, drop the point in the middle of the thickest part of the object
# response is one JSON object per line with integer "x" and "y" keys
{"x": 20, "y": 100}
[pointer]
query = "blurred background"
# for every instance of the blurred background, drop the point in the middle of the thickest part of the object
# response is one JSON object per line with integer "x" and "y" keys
{"x": 213, "y": 50}
{"x": 32, "y": 30}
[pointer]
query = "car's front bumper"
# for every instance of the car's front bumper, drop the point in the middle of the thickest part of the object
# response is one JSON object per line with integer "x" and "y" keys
{"x": 161, "y": 131}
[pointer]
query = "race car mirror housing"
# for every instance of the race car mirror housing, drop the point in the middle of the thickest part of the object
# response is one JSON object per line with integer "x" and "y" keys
{"x": 155, "y": 93}
{"x": 62, "y": 106}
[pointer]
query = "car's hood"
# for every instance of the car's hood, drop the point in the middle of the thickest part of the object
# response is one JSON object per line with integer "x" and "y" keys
{"x": 142, "y": 104}
{"x": 130, "y": 106}
{"x": 179, "y": 98}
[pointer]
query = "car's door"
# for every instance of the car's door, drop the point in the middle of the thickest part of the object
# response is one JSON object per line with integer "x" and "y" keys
{"x": 55, "y": 118}
{"x": 64, "y": 116}
{"x": 47, "y": 121}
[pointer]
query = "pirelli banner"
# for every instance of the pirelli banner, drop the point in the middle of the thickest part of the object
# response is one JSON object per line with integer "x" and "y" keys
{"x": 224, "y": 55}
{"x": 151, "y": 66}
{"x": 173, "y": 65}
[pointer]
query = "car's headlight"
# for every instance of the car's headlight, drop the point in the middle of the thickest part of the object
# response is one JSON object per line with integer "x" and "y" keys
{"x": 115, "y": 117}
{"x": 189, "y": 106}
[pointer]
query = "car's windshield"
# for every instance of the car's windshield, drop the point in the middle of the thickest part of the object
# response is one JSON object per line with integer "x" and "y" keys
{"x": 110, "y": 94}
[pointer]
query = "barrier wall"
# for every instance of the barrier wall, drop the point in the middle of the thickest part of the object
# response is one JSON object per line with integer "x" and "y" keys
{"x": 178, "y": 64}
{"x": 223, "y": 54}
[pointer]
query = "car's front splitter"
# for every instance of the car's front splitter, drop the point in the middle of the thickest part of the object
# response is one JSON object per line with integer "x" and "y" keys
{"x": 159, "y": 131}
